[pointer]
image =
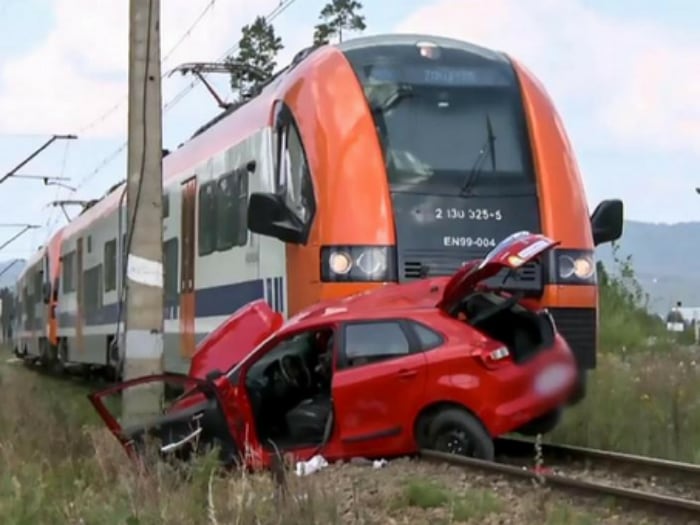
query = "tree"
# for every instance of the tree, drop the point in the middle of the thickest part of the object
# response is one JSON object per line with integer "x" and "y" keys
{"x": 258, "y": 48}
{"x": 337, "y": 16}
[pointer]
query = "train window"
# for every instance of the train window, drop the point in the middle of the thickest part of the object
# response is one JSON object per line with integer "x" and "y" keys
{"x": 170, "y": 266}
{"x": 207, "y": 218}
{"x": 69, "y": 272}
{"x": 231, "y": 201}
{"x": 297, "y": 179}
{"x": 38, "y": 282}
{"x": 92, "y": 291}
{"x": 437, "y": 119}
{"x": 89, "y": 244}
{"x": 110, "y": 262}
{"x": 293, "y": 175}
{"x": 166, "y": 205}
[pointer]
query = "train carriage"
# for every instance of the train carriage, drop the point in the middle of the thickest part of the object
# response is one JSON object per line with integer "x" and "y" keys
{"x": 378, "y": 160}
{"x": 36, "y": 335}
{"x": 30, "y": 306}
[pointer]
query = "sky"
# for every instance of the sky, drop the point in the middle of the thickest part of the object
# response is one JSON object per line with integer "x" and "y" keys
{"x": 624, "y": 76}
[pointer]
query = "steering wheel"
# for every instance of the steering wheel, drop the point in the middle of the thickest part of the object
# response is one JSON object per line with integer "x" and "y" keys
{"x": 290, "y": 362}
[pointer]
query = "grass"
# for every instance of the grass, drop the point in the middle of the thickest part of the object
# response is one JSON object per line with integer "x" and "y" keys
{"x": 473, "y": 505}
{"x": 644, "y": 395}
{"x": 58, "y": 465}
{"x": 645, "y": 403}
{"x": 486, "y": 506}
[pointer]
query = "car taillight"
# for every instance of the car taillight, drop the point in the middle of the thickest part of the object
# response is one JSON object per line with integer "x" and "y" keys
{"x": 495, "y": 358}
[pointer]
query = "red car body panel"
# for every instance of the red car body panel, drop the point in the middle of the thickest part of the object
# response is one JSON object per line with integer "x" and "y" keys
{"x": 376, "y": 405}
{"x": 230, "y": 343}
{"x": 235, "y": 338}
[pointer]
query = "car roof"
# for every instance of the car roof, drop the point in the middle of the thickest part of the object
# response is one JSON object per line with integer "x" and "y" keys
{"x": 390, "y": 300}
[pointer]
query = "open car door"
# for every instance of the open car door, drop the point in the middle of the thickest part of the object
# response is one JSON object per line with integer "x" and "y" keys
{"x": 511, "y": 253}
{"x": 175, "y": 428}
{"x": 235, "y": 338}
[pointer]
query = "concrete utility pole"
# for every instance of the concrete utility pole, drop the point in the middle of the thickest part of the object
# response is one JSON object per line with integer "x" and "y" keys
{"x": 143, "y": 348}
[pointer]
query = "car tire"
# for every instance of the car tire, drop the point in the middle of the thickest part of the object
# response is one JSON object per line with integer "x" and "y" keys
{"x": 456, "y": 431}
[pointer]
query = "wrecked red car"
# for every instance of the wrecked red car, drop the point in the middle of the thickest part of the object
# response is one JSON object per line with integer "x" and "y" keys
{"x": 446, "y": 363}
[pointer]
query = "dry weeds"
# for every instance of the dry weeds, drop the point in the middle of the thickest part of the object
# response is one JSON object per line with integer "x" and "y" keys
{"x": 58, "y": 465}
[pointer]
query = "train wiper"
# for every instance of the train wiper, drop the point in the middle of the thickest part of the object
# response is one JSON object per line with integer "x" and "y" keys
{"x": 488, "y": 147}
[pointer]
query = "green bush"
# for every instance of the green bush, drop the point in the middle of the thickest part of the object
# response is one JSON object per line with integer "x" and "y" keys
{"x": 625, "y": 320}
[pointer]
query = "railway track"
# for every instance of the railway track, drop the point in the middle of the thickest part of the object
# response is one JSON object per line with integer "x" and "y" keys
{"x": 667, "y": 487}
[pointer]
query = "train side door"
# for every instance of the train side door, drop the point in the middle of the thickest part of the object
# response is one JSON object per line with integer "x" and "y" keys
{"x": 46, "y": 296}
{"x": 187, "y": 294}
{"x": 79, "y": 295}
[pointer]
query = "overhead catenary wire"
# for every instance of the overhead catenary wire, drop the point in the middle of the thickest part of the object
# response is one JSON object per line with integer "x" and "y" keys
{"x": 278, "y": 10}
{"x": 115, "y": 107}
{"x": 54, "y": 215}
{"x": 103, "y": 116}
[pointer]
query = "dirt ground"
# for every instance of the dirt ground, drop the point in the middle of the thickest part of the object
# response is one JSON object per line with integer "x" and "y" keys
{"x": 413, "y": 492}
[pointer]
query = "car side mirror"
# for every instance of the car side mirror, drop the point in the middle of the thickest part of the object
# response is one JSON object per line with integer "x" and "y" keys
{"x": 268, "y": 215}
{"x": 606, "y": 221}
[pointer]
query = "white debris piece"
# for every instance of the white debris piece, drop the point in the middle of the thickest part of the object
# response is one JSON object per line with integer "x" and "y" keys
{"x": 379, "y": 463}
{"x": 316, "y": 463}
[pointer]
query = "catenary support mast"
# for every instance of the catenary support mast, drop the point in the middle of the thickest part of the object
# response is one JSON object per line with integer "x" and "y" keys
{"x": 143, "y": 345}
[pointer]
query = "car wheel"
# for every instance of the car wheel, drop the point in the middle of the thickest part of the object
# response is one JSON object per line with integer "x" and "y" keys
{"x": 455, "y": 431}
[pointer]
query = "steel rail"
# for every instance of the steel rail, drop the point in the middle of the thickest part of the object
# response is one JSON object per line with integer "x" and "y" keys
{"x": 512, "y": 446}
{"x": 657, "y": 502}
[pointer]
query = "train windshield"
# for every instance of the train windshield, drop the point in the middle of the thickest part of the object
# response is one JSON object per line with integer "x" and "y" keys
{"x": 448, "y": 121}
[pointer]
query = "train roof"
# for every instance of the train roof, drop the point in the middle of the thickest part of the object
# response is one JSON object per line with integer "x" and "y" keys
{"x": 416, "y": 38}
{"x": 32, "y": 261}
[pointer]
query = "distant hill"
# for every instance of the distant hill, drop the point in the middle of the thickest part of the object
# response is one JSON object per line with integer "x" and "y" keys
{"x": 666, "y": 259}
{"x": 8, "y": 278}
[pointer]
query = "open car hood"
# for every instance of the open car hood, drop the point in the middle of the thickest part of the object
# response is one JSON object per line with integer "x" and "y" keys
{"x": 511, "y": 253}
{"x": 234, "y": 339}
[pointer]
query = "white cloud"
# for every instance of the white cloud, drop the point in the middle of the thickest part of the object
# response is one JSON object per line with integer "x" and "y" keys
{"x": 637, "y": 81}
{"x": 79, "y": 71}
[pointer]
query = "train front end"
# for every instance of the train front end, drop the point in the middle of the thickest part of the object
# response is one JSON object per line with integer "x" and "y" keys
{"x": 473, "y": 151}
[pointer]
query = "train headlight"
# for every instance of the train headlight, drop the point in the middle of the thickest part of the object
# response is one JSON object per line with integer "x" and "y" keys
{"x": 575, "y": 266}
{"x": 372, "y": 261}
{"x": 358, "y": 263}
{"x": 340, "y": 262}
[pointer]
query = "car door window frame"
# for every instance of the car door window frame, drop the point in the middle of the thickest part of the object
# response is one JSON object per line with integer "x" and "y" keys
{"x": 414, "y": 345}
{"x": 269, "y": 345}
{"x": 411, "y": 326}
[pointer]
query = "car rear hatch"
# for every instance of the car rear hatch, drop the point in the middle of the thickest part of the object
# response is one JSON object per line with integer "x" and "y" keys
{"x": 511, "y": 253}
